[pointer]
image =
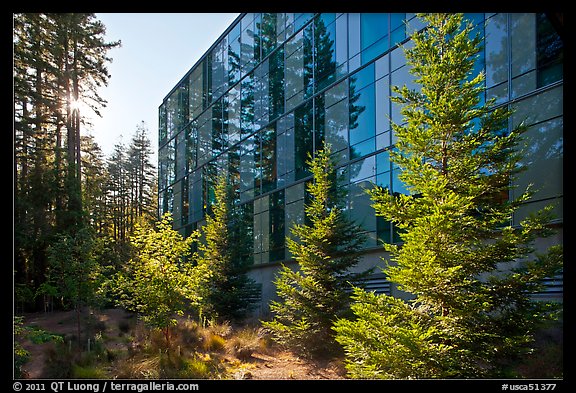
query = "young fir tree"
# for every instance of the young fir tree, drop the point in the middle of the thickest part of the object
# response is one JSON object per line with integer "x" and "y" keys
{"x": 225, "y": 290}
{"x": 325, "y": 248}
{"x": 157, "y": 283}
{"x": 470, "y": 271}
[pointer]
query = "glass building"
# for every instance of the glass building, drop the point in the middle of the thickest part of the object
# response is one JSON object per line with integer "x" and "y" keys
{"x": 274, "y": 85}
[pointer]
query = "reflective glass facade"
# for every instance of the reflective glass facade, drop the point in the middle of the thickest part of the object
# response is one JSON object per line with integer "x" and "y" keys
{"x": 274, "y": 86}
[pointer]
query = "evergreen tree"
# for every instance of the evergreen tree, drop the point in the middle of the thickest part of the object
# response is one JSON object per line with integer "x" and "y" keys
{"x": 222, "y": 284}
{"x": 59, "y": 60}
{"x": 470, "y": 272}
{"x": 157, "y": 283}
{"x": 73, "y": 275}
{"x": 325, "y": 248}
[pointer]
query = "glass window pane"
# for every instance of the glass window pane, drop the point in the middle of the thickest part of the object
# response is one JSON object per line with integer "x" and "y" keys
{"x": 266, "y": 166}
{"x": 362, "y": 169}
{"x": 336, "y": 93}
{"x": 550, "y": 49}
{"x": 363, "y": 148}
{"x": 524, "y": 84}
{"x": 543, "y": 145}
{"x": 383, "y": 230}
{"x": 276, "y": 84}
{"x": 374, "y": 26}
{"x": 496, "y": 39}
{"x": 523, "y": 31}
{"x": 500, "y": 93}
{"x": 375, "y": 50}
{"x": 397, "y": 20}
{"x": 382, "y": 67}
{"x": 303, "y": 138}
{"x": 534, "y": 109}
{"x": 277, "y": 226}
{"x": 382, "y": 105}
{"x": 353, "y": 34}
{"x": 294, "y": 65}
{"x": 342, "y": 39}
{"x": 336, "y": 127}
{"x": 362, "y": 78}
{"x": 247, "y": 169}
{"x": 362, "y": 114}
{"x": 361, "y": 208}
{"x": 383, "y": 162}
{"x": 398, "y": 186}
{"x": 325, "y": 43}
{"x": 285, "y": 149}
{"x": 268, "y": 32}
{"x": 205, "y": 137}
{"x": 247, "y": 105}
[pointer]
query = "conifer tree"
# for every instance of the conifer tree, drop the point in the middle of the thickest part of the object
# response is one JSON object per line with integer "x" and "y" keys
{"x": 470, "y": 271}
{"x": 325, "y": 248}
{"x": 225, "y": 291}
{"x": 157, "y": 283}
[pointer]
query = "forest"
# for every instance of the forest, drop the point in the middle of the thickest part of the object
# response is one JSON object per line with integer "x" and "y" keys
{"x": 64, "y": 186}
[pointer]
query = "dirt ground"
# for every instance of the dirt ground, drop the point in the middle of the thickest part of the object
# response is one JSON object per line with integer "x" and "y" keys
{"x": 274, "y": 364}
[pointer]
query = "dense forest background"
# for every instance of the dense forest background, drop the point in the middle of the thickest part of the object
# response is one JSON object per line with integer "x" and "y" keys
{"x": 70, "y": 199}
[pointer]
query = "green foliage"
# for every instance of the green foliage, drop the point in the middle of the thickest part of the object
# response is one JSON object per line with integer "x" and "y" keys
{"x": 315, "y": 295}
{"x": 36, "y": 335}
{"x": 390, "y": 339}
{"x": 223, "y": 288}
{"x": 158, "y": 282}
{"x": 469, "y": 270}
{"x": 73, "y": 273}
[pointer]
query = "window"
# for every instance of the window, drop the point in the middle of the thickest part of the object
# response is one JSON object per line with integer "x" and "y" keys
{"x": 303, "y": 139}
{"x": 324, "y": 44}
{"x": 205, "y": 137}
{"x": 374, "y": 27}
{"x": 294, "y": 65}
{"x": 181, "y": 161}
{"x": 265, "y": 157}
{"x": 232, "y": 115}
{"x": 247, "y": 43}
{"x": 277, "y": 226}
{"x": 234, "y": 55}
{"x": 336, "y": 119}
{"x": 550, "y": 52}
{"x": 247, "y": 169}
{"x": 219, "y": 131}
{"x": 276, "y": 84}
{"x": 219, "y": 64}
{"x": 285, "y": 149}
{"x": 162, "y": 131}
{"x": 362, "y": 112}
{"x": 247, "y": 105}
{"x": 195, "y": 202}
{"x": 195, "y": 91}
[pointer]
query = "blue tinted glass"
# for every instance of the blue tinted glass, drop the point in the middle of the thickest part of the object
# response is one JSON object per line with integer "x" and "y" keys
{"x": 383, "y": 162}
{"x": 362, "y": 148}
{"x": 327, "y": 18}
{"x": 396, "y": 20}
{"x": 375, "y": 50}
{"x": 397, "y": 36}
{"x": 383, "y": 180}
{"x": 362, "y": 169}
{"x": 362, "y": 115}
{"x": 353, "y": 34}
{"x": 362, "y": 78}
{"x": 397, "y": 185}
{"x": 301, "y": 19}
{"x": 373, "y": 27}
{"x": 475, "y": 18}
